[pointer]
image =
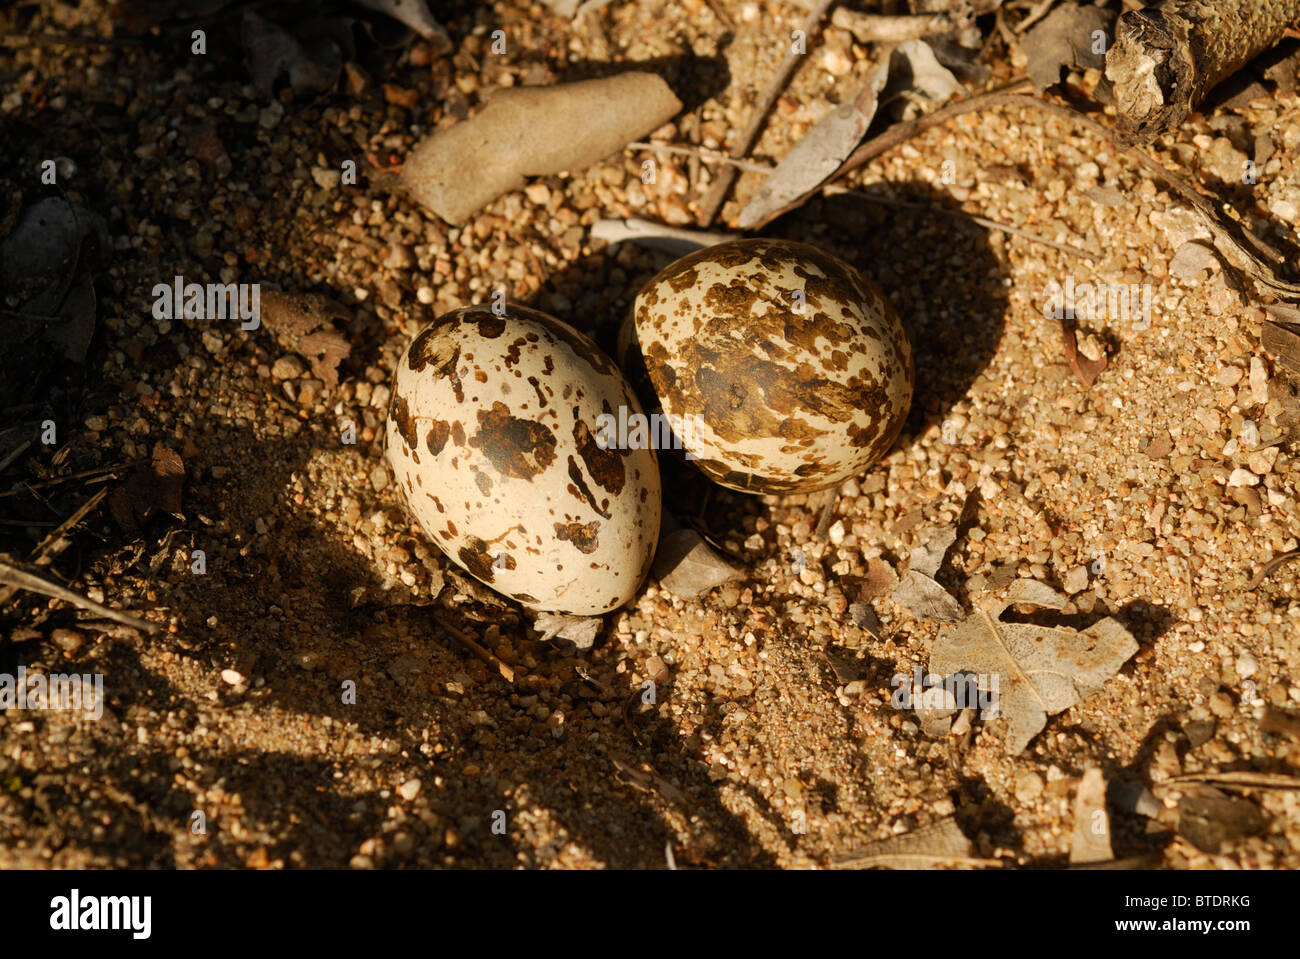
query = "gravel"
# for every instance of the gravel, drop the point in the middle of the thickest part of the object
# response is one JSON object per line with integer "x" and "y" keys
{"x": 303, "y": 697}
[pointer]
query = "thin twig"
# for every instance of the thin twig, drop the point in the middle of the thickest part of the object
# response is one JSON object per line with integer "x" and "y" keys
{"x": 887, "y": 28}
{"x": 41, "y": 554}
{"x": 828, "y": 511}
{"x": 1270, "y": 567}
{"x": 13, "y": 576}
{"x": 55, "y": 542}
{"x": 717, "y": 194}
{"x": 482, "y": 653}
{"x": 98, "y": 471}
{"x": 68, "y": 40}
{"x": 982, "y": 221}
{"x": 1180, "y": 186}
{"x": 1235, "y": 779}
{"x": 723, "y": 17}
{"x": 8, "y": 460}
{"x": 902, "y": 132}
{"x": 708, "y": 156}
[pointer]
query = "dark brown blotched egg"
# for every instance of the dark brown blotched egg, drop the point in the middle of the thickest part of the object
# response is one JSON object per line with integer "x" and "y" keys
{"x": 495, "y": 436}
{"x": 785, "y": 368}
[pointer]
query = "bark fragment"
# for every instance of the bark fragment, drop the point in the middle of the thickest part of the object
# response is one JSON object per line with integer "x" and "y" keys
{"x": 1167, "y": 57}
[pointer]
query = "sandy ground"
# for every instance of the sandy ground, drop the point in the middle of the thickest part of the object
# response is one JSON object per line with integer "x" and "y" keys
{"x": 772, "y": 741}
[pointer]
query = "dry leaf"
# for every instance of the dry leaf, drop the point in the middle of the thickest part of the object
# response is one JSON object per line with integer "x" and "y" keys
{"x": 925, "y": 599}
{"x": 878, "y": 581}
{"x": 917, "y": 590}
{"x": 1193, "y": 260}
{"x": 1210, "y": 819}
{"x": 940, "y": 843}
{"x": 918, "y": 80}
{"x": 579, "y": 630}
{"x": 414, "y": 14}
{"x": 153, "y": 488}
{"x": 687, "y": 566}
{"x": 1091, "y": 841}
{"x": 820, "y": 152}
{"x": 295, "y": 320}
{"x": 1065, "y": 39}
{"x": 928, "y": 557}
{"x": 311, "y": 56}
{"x": 1034, "y": 671}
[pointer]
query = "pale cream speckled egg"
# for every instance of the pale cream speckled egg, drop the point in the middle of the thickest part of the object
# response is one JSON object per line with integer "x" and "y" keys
{"x": 788, "y": 368}
{"x": 493, "y": 435}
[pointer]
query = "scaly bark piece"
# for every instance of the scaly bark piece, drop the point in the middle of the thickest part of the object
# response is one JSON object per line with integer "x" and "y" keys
{"x": 1166, "y": 58}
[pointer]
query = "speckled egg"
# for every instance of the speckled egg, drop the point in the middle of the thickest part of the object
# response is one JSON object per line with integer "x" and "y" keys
{"x": 495, "y": 436}
{"x": 787, "y": 367}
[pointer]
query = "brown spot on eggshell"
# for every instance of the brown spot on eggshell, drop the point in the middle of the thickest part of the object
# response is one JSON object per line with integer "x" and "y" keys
{"x": 400, "y": 413}
{"x": 437, "y": 436}
{"x": 579, "y": 489}
{"x": 605, "y": 466}
{"x": 476, "y": 558}
{"x": 581, "y": 535}
{"x": 490, "y": 327}
{"x": 517, "y": 447}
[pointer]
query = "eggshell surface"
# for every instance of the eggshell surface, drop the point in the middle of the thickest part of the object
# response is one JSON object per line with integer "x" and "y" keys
{"x": 789, "y": 368}
{"x": 493, "y": 434}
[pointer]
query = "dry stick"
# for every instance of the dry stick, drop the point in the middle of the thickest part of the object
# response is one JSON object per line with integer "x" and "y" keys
{"x": 901, "y": 132}
{"x": 41, "y": 554}
{"x": 1272, "y": 566}
{"x": 55, "y": 543}
{"x": 708, "y": 156}
{"x": 718, "y": 191}
{"x": 468, "y": 642}
{"x": 1233, "y": 230}
{"x": 1235, "y": 779}
{"x": 884, "y": 28}
{"x": 962, "y": 214}
{"x": 68, "y": 40}
{"x": 98, "y": 471}
{"x": 1167, "y": 57}
{"x": 723, "y": 17}
{"x": 8, "y": 460}
{"x": 13, "y": 576}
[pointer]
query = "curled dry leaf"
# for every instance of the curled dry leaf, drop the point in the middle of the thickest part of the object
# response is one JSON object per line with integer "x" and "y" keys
{"x": 414, "y": 14}
{"x": 296, "y": 320}
{"x": 312, "y": 56}
{"x": 1209, "y": 819}
{"x": 579, "y": 630}
{"x": 671, "y": 239}
{"x": 154, "y": 487}
{"x": 918, "y": 82}
{"x": 819, "y": 153}
{"x": 917, "y": 591}
{"x": 1085, "y": 370}
{"x": 529, "y": 131}
{"x": 939, "y": 844}
{"x": 687, "y": 566}
{"x": 1034, "y": 671}
{"x": 1066, "y": 39}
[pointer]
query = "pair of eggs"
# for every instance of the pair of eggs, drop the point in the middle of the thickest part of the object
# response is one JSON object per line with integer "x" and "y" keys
{"x": 781, "y": 368}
